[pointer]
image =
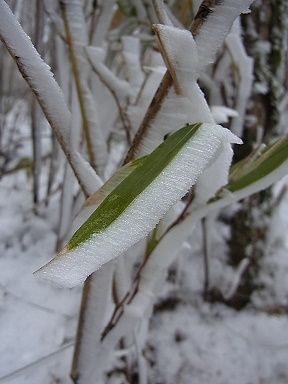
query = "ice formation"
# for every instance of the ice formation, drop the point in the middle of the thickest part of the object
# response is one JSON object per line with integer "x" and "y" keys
{"x": 72, "y": 267}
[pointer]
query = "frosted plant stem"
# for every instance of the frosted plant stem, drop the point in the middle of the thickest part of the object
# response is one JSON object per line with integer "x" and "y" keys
{"x": 161, "y": 14}
{"x": 123, "y": 116}
{"x": 99, "y": 33}
{"x": 77, "y": 40}
{"x": 205, "y": 258}
{"x": 92, "y": 313}
{"x": 76, "y": 75}
{"x": 203, "y": 17}
{"x": 245, "y": 67}
{"x": 142, "y": 368}
{"x": 66, "y": 204}
{"x": 35, "y": 117}
{"x": 50, "y": 97}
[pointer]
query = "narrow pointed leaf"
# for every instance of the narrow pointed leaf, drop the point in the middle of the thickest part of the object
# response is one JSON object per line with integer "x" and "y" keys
{"x": 268, "y": 161}
{"x": 152, "y": 185}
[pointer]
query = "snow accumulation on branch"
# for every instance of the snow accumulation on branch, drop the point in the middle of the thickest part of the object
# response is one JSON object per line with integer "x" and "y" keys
{"x": 244, "y": 64}
{"x": 188, "y": 104}
{"x": 41, "y": 81}
{"x": 217, "y": 26}
{"x": 77, "y": 40}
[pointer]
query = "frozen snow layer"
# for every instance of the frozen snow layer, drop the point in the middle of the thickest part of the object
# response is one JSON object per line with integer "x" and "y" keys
{"x": 71, "y": 267}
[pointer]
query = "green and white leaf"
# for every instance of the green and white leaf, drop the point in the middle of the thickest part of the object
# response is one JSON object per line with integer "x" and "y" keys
{"x": 257, "y": 172}
{"x": 142, "y": 192}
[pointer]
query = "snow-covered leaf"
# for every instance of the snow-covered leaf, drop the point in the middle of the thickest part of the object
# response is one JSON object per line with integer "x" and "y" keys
{"x": 137, "y": 203}
{"x": 268, "y": 160}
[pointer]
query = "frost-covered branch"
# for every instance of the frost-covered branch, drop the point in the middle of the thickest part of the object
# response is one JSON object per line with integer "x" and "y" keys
{"x": 50, "y": 97}
{"x": 161, "y": 13}
{"x": 77, "y": 40}
{"x": 244, "y": 64}
{"x": 119, "y": 89}
{"x": 212, "y": 28}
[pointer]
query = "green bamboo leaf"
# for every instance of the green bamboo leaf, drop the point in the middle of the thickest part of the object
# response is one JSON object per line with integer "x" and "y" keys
{"x": 139, "y": 175}
{"x": 269, "y": 159}
{"x": 133, "y": 201}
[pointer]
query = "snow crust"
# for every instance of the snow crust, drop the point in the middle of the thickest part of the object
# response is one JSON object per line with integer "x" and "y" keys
{"x": 71, "y": 268}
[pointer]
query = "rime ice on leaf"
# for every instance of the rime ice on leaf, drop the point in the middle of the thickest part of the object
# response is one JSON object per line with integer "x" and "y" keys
{"x": 137, "y": 203}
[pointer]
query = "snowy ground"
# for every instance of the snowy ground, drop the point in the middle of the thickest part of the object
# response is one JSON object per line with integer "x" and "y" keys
{"x": 190, "y": 342}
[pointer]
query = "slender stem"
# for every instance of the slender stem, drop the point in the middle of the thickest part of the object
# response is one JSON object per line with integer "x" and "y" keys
{"x": 205, "y": 258}
{"x": 123, "y": 116}
{"x": 76, "y": 74}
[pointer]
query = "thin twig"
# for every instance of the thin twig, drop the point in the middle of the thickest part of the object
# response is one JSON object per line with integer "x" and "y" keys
{"x": 205, "y": 258}
{"x": 23, "y": 370}
{"x": 76, "y": 74}
{"x": 123, "y": 116}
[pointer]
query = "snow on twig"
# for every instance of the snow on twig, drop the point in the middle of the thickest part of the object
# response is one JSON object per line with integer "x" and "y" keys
{"x": 42, "y": 83}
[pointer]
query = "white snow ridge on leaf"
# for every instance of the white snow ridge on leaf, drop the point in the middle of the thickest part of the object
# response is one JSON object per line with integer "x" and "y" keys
{"x": 72, "y": 266}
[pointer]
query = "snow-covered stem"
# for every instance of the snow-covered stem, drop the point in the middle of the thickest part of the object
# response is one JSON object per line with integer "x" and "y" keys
{"x": 142, "y": 365}
{"x": 91, "y": 320}
{"x": 160, "y": 11}
{"x": 49, "y": 95}
{"x": 209, "y": 16}
{"x": 206, "y": 268}
{"x": 242, "y": 268}
{"x": 76, "y": 38}
{"x": 102, "y": 24}
{"x": 244, "y": 63}
{"x": 36, "y": 145}
{"x": 110, "y": 80}
{"x": 66, "y": 204}
{"x": 35, "y": 116}
{"x": 220, "y": 16}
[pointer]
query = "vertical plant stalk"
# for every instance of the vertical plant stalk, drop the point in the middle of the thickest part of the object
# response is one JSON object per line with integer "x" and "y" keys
{"x": 123, "y": 115}
{"x": 102, "y": 24}
{"x": 35, "y": 123}
{"x": 76, "y": 75}
{"x": 160, "y": 12}
{"x": 205, "y": 258}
